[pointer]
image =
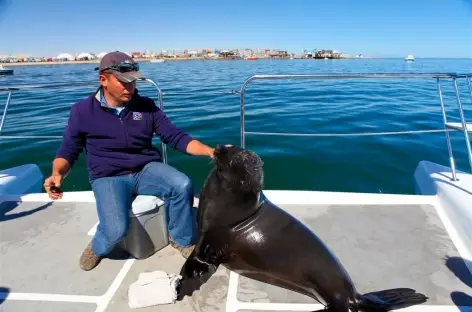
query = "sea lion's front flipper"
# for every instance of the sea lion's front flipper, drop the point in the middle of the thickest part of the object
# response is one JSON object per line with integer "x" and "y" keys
{"x": 199, "y": 267}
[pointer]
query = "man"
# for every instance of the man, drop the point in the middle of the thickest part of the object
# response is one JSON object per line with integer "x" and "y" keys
{"x": 115, "y": 125}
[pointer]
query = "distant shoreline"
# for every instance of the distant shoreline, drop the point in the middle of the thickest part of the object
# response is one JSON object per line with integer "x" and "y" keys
{"x": 145, "y": 60}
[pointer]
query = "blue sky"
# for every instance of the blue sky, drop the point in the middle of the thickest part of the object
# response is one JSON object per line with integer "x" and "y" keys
{"x": 381, "y": 28}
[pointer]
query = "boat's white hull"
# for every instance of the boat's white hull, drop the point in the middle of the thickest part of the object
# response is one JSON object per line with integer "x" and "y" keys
{"x": 454, "y": 199}
{"x": 21, "y": 180}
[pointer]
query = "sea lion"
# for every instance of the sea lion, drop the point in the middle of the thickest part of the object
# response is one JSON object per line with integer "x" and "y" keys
{"x": 242, "y": 230}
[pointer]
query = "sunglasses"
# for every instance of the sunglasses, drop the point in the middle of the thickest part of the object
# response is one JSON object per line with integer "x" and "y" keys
{"x": 123, "y": 67}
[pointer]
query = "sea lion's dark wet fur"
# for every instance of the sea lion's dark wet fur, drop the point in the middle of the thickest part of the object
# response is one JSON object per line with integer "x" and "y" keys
{"x": 240, "y": 229}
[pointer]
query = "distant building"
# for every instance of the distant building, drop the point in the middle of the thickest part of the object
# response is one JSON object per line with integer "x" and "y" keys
{"x": 277, "y": 53}
{"x": 192, "y": 52}
{"x": 148, "y": 54}
{"x": 327, "y": 54}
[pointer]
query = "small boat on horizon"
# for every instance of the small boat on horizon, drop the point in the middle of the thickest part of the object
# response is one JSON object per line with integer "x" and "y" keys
{"x": 5, "y": 71}
{"x": 409, "y": 58}
{"x": 157, "y": 61}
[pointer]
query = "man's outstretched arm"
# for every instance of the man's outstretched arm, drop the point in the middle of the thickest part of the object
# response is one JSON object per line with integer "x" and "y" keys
{"x": 71, "y": 146}
{"x": 177, "y": 138}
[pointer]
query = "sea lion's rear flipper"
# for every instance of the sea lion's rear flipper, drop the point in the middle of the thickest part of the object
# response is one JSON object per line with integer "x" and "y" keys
{"x": 390, "y": 299}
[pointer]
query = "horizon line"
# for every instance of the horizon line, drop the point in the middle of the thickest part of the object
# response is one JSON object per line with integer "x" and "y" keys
{"x": 160, "y": 51}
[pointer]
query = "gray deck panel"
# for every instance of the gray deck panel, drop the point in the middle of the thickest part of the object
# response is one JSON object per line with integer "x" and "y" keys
{"x": 165, "y": 259}
{"x": 210, "y": 298}
{"x": 381, "y": 247}
{"x": 41, "y": 249}
{"x": 170, "y": 261}
{"x": 377, "y": 252}
{"x": 43, "y": 306}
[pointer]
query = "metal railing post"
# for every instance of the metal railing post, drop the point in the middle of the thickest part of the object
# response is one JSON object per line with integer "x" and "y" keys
{"x": 464, "y": 124}
{"x": 242, "y": 128}
{"x": 448, "y": 137}
{"x": 4, "y": 115}
{"x": 469, "y": 84}
{"x": 161, "y": 106}
{"x": 242, "y": 92}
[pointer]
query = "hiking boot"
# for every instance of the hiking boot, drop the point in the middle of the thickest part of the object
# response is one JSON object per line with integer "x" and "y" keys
{"x": 89, "y": 259}
{"x": 185, "y": 251}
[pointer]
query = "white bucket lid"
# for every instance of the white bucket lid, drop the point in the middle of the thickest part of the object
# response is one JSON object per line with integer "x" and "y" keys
{"x": 144, "y": 203}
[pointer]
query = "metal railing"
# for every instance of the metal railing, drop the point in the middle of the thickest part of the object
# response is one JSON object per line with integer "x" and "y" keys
{"x": 448, "y": 126}
{"x": 10, "y": 89}
{"x": 463, "y": 126}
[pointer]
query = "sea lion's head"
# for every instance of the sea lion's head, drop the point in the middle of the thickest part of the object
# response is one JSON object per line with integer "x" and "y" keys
{"x": 239, "y": 167}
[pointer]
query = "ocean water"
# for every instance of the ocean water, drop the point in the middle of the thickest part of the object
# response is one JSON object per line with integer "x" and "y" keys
{"x": 198, "y": 99}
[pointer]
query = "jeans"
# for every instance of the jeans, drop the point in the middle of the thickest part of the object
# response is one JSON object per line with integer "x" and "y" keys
{"x": 113, "y": 197}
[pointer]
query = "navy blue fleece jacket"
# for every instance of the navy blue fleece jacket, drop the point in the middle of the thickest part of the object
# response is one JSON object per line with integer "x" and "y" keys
{"x": 118, "y": 144}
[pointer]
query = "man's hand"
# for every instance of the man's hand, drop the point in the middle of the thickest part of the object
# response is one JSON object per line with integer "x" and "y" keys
{"x": 211, "y": 152}
{"x": 52, "y": 186}
{"x": 197, "y": 148}
{"x": 60, "y": 168}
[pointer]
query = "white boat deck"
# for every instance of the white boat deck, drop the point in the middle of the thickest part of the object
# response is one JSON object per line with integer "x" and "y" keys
{"x": 383, "y": 240}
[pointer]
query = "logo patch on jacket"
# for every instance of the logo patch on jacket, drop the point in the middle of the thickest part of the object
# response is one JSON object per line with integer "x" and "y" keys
{"x": 137, "y": 116}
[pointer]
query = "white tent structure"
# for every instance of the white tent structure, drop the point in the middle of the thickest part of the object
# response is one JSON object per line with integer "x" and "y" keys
{"x": 65, "y": 57}
{"x": 86, "y": 56}
{"x": 102, "y": 54}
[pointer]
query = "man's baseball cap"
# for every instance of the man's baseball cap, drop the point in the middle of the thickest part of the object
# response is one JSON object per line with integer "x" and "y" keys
{"x": 120, "y": 65}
